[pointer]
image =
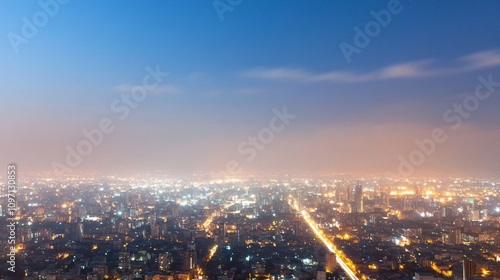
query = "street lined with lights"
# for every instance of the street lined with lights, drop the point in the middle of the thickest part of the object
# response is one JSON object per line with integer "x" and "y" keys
{"x": 345, "y": 263}
{"x": 206, "y": 227}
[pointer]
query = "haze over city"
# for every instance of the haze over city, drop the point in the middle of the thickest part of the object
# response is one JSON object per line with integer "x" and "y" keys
{"x": 359, "y": 101}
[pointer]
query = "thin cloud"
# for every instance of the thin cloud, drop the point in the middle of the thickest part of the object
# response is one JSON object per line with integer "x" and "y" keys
{"x": 414, "y": 69}
{"x": 408, "y": 70}
{"x": 162, "y": 89}
{"x": 482, "y": 59}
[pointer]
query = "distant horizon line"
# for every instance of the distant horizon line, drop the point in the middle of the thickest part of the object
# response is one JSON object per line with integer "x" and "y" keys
{"x": 245, "y": 176}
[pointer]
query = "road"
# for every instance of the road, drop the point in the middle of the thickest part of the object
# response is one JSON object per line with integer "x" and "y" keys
{"x": 342, "y": 260}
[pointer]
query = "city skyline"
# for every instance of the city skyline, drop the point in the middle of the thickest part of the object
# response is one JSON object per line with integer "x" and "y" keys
{"x": 291, "y": 228}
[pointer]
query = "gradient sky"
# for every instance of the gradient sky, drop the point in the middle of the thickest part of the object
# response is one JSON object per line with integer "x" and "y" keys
{"x": 227, "y": 76}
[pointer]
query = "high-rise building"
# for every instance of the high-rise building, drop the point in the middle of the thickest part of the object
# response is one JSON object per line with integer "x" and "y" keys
{"x": 447, "y": 212}
{"x": 124, "y": 260}
{"x": 349, "y": 194}
{"x": 418, "y": 191}
{"x": 338, "y": 195}
{"x": 155, "y": 231}
{"x": 455, "y": 236}
{"x": 469, "y": 269}
{"x": 320, "y": 275}
{"x": 330, "y": 262}
{"x": 497, "y": 240}
{"x": 101, "y": 270}
{"x": 164, "y": 262}
{"x": 191, "y": 246}
{"x": 189, "y": 260}
{"x": 74, "y": 231}
{"x": 475, "y": 215}
{"x": 407, "y": 205}
{"x": 385, "y": 199}
{"x": 298, "y": 227}
{"x": 358, "y": 198}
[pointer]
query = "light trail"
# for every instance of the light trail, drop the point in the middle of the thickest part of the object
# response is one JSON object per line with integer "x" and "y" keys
{"x": 212, "y": 251}
{"x": 208, "y": 222}
{"x": 206, "y": 227}
{"x": 210, "y": 255}
{"x": 346, "y": 264}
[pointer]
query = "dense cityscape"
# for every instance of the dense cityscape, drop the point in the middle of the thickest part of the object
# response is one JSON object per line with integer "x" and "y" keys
{"x": 279, "y": 228}
{"x": 250, "y": 140}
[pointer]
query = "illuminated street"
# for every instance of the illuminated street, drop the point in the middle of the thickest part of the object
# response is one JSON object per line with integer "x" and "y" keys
{"x": 342, "y": 260}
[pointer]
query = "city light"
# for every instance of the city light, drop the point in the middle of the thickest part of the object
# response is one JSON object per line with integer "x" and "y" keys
{"x": 347, "y": 265}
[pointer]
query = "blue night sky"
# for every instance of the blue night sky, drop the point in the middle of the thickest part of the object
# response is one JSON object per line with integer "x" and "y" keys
{"x": 226, "y": 77}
